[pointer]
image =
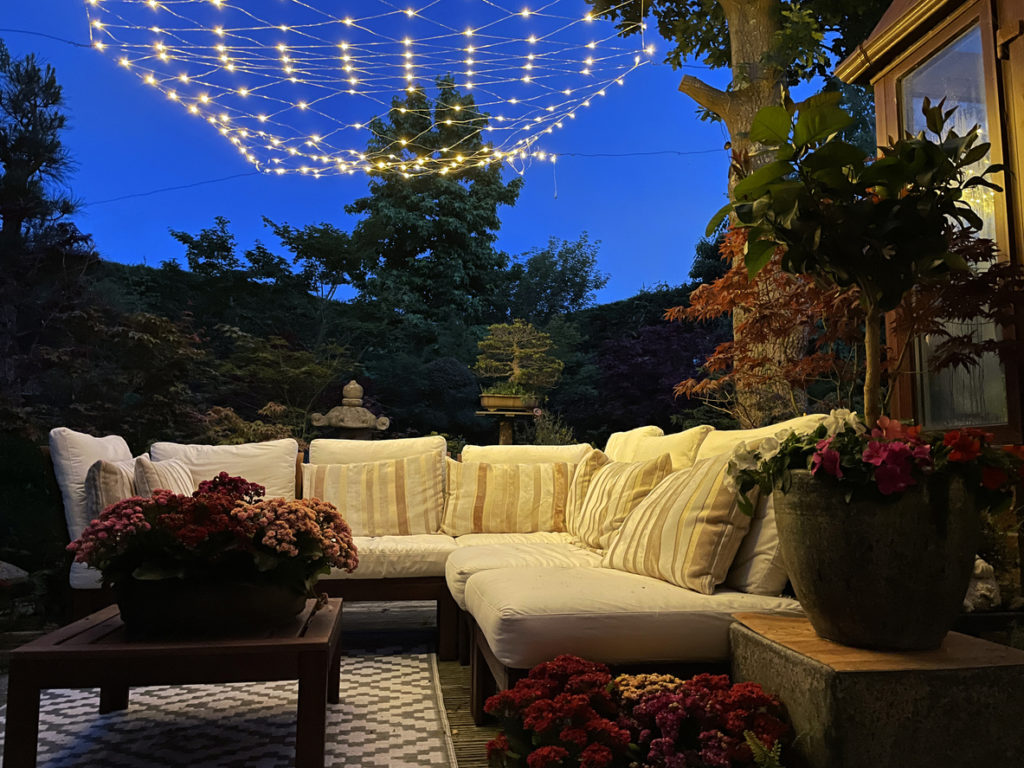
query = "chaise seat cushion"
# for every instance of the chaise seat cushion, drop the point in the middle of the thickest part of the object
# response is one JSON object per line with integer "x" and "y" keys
{"x": 399, "y": 557}
{"x": 530, "y": 615}
{"x": 469, "y": 560}
{"x": 534, "y": 537}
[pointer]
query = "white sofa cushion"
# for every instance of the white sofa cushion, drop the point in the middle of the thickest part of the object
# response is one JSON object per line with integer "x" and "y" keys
{"x": 170, "y": 475}
{"x": 506, "y": 498}
{"x": 270, "y": 463}
{"x": 530, "y": 615}
{"x": 685, "y": 532}
{"x": 392, "y": 497}
{"x": 398, "y": 557}
{"x": 720, "y": 441}
{"x": 466, "y": 561}
{"x": 72, "y": 454}
{"x": 525, "y": 454}
{"x": 336, "y": 451}
{"x": 681, "y": 446}
{"x": 615, "y": 490}
{"x": 622, "y": 445}
{"x": 758, "y": 567}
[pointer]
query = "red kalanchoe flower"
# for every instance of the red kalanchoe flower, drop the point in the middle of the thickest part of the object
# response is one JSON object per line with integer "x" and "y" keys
{"x": 964, "y": 444}
{"x": 547, "y": 757}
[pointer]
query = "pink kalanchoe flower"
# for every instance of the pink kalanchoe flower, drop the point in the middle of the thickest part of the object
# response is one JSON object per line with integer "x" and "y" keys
{"x": 827, "y": 458}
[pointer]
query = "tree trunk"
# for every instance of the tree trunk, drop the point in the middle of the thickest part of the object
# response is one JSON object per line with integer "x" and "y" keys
{"x": 872, "y": 366}
{"x": 763, "y": 396}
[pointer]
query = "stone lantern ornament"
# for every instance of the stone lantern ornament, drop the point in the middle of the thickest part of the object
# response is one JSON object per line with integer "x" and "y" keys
{"x": 350, "y": 418}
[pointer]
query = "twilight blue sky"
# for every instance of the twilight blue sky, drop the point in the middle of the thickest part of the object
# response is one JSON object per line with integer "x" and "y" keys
{"x": 647, "y": 211}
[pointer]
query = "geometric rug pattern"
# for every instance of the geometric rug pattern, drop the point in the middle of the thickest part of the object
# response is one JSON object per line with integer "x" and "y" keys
{"x": 390, "y": 715}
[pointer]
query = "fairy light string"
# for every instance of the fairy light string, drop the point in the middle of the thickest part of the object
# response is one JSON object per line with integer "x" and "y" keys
{"x": 304, "y": 87}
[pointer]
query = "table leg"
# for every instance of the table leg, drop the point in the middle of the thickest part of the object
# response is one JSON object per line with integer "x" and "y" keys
{"x": 22, "y": 729}
{"x": 311, "y": 723}
{"x": 113, "y": 697}
{"x": 334, "y": 675}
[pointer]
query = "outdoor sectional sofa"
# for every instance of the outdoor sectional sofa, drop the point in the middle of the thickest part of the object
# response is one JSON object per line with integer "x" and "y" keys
{"x": 634, "y": 554}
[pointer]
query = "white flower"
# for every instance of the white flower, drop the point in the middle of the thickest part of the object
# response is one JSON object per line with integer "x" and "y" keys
{"x": 742, "y": 458}
{"x": 782, "y": 434}
{"x": 769, "y": 447}
{"x": 730, "y": 480}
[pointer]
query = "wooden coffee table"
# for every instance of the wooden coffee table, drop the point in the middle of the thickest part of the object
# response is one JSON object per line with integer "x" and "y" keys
{"x": 94, "y": 652}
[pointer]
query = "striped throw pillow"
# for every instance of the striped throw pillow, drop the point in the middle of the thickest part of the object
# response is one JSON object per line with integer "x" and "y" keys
{"x": 106, "y": 483}
{"x": 506, "y": 498}
{"x": 170, "y": 474}
{"x": 615, "y": 489}
{"x": 381, "y": 498}
{"x": 685, "y": 532}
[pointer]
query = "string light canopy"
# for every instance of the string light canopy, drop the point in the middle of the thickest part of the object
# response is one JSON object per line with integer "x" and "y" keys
{"x": 304, "y": 87}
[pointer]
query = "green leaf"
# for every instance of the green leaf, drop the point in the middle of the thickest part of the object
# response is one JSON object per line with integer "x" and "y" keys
{"x": 771, "y": 126}
{"x": 758, "y": 253}
{"x": 955, "y": 261}
{"x": 752, "y": 185}
{"x": 717, "y": 219}
{"x": 816, "y": 124}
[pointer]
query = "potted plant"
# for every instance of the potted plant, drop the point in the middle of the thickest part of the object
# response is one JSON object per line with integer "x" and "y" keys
{"x": 878, "y": 524}
{"x": 515, "y": 356}
{"x": 221, "y": 560}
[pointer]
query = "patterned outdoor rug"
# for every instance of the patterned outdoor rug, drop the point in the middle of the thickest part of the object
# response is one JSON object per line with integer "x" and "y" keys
{"x": 390, "y": 715}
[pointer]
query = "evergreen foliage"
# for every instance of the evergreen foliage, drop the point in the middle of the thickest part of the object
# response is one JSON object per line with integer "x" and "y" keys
{"x": 518, "y": 353}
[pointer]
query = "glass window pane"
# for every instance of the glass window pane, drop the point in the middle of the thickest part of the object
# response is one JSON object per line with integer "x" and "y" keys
{"x": 958, "y": 397}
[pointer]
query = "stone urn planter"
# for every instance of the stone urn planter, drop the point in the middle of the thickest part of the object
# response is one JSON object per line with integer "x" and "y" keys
{"x": 887, "y": 575}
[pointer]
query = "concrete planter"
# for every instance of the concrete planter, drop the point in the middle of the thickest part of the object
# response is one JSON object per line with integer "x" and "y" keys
{"x": 889, "y": 575}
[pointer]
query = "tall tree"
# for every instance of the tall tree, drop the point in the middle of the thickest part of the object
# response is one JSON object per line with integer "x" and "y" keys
{"x": 35, "y": 163}
{"x": 769, "y": 45}
{"x": 551, "y": 281}
{"x": 430, "y": 238}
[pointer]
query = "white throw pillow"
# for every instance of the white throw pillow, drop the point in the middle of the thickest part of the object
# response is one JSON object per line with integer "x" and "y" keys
{"x": 506, "y": 498}
{"x": 330, "y": 451}
{"x": 758, "y": 567}
{"x": 681, "y": 446}
{"x": 72, "y": 454}
{"x": 170, "y": 475}
{"x": 271, "y": 463}
{"x": 622, "y": 445}
{"x": 393, "y": 497}
{"x": 526, "y": 454}
{"x": 721, "y": 441}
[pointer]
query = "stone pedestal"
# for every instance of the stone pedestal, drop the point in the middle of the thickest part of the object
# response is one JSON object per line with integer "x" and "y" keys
{"x": 959, "y": 706}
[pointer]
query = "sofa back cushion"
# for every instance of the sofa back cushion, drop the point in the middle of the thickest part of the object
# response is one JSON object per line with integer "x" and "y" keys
{"x": 381, "y": 498}
{"x": 506, "y": 498}
{"x": 681, "y": 446}
{"x": 721, "y": 441}
{"x": 106, "y": 483}
{"x": 758, "y": 567}
{"x": 622, "y": 445}
{"x": 331, "y": 451}
{"x": 73, "y": 453}
{"x": 615, "y": 488}
{"x": 270, "y": 463}
{"x": 685, "y": 532}
{"x": 526, "y": 454}
{"x": 170, "y": 475}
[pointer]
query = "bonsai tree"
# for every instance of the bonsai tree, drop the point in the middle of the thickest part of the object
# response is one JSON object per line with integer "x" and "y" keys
{"x": 516, "y": 354}
{"x": 883, "y": 226}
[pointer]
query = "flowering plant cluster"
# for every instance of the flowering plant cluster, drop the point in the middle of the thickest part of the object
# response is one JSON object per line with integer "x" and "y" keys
{"x": 570, "y": 713}
{"x": 225, "y": 530}
{"x": 704, "y": 722}
{"x": 881, "y": 462}
{"x": 561, "y": 714}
